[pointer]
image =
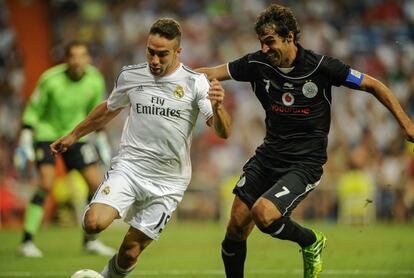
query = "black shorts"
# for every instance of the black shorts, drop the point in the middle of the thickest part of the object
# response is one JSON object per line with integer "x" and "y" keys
{"x": 78, "y": 156}
{"x": 285, "y": 186}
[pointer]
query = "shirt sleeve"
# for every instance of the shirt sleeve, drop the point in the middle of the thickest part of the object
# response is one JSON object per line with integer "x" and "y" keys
{"x": 99, "y": 93}
{"x": 119, "y": 97}
{"x": 336, "y": 70}
{"x": 241, "y": 69}
{"x": 202, "y": 86}
{"x": 36, "y": 105}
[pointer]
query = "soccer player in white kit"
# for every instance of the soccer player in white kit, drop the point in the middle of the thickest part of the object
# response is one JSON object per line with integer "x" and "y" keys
{"x": 149, "y": 175}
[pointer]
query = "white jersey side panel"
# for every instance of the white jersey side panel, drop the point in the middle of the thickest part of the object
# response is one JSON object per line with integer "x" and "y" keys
{"x": 156, "y": 139}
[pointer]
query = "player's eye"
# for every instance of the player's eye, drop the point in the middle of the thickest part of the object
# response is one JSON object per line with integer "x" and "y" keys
{"x": 151, "y": 52}
{"x": 162, "y": 54}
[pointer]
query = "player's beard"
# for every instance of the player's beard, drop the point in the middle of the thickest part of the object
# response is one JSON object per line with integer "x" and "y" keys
{"x": 274, "y": 58}
{"x": 76, "y": 73}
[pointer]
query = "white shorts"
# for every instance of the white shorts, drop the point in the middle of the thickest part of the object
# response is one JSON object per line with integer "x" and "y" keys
{"x": 145, "y": 205}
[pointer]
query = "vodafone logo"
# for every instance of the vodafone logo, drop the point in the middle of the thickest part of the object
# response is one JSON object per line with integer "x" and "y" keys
{"x": 288, "y": 99}
{"x": 290, "y": 110}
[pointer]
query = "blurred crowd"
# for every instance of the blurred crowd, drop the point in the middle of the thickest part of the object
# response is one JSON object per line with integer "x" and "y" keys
{"x": 370, "y": 169}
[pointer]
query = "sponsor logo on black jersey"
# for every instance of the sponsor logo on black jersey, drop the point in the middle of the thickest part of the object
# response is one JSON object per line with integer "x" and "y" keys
{"x": 288, "y": 99}
{"x": 288, "y": 86}
{"x": 290, "y": 110}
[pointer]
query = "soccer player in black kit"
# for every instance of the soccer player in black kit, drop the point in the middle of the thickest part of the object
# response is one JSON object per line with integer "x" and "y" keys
{"x": 293, "y": 85}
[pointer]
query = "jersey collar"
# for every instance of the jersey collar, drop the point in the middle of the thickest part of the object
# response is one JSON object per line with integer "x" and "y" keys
{"x": 300, "y": 56}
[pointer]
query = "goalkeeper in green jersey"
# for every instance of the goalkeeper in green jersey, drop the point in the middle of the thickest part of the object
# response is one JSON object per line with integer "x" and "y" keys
{"x": 64, "y": 96}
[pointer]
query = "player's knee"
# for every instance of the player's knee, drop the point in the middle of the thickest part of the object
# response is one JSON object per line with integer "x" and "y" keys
{"x": 280, "y": 228}
{"x": 237, "y": 232}
{"x": 262, "y": 216}
{"x": 234, "y": 233}
{"x": 92, "y": 223}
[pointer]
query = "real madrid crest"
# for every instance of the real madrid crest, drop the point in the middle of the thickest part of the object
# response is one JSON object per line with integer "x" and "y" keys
{"x": 106, "y": 190}
{"x": 178, "y": 92}
{"x": 309, "y": 89}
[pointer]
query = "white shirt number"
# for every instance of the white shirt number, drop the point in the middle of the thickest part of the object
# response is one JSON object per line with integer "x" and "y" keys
{"x": 284, "y": 192}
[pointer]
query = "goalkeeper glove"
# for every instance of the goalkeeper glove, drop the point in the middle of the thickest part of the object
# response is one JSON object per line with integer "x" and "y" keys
{"x": 24, "y": 151}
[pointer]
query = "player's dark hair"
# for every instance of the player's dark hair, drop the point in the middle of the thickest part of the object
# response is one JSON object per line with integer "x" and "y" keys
{"x": 72, "y": 44}
{"x": 280, "y": 18}
{"x": 167, "y": 28}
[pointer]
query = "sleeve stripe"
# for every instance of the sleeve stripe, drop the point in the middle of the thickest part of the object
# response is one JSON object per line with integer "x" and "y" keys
{"x": 126, "y": 68}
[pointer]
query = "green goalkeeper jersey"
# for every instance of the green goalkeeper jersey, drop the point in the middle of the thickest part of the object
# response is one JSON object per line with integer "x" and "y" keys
{"x": 58, "y": 103}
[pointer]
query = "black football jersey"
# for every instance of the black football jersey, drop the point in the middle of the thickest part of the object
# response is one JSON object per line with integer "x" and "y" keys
{"x": 297, "y": 104}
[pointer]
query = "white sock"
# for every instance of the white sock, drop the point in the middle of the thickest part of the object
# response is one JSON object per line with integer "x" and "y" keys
{"x": 113, "y": 270}
{"x": 90, "y": 237}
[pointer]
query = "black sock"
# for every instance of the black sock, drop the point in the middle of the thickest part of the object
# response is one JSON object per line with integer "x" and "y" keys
{"x": 301, "y": 235}
{"x": 285, "y": 228}
{"x": 233, "y": 254}
{"x": 27, "y": 237}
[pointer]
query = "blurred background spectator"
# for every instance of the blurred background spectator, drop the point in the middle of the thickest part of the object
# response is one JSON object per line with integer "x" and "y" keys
{"x": 367, "y": 153}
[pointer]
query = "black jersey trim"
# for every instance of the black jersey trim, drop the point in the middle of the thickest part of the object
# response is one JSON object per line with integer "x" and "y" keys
{"x": 129, "y": 67}
{"x": 309, "y": 187}
{"x": 286, "y": 76}
{"x": 324, "y": 94}
{"x": 228, "y": 71}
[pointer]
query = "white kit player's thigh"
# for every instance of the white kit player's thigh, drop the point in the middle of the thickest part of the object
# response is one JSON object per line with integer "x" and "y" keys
{"x": 116, "y": 191}
{"x": 152, "y": 214}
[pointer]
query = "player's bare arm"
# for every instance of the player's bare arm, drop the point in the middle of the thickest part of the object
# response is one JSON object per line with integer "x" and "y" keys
{"x": 220, "y": 72}
{"x": 388, "y": 99}
{"x": 221, "y": 120}
{"x": 97, "y": 119}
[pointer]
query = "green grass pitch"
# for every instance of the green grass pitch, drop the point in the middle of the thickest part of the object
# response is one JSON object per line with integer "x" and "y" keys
{"x": 192, "y": 249}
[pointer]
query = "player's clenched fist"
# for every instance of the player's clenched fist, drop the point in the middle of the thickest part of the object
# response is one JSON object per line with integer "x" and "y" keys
{"x": 62, "y": 144}
{"x": 216, "y": 94}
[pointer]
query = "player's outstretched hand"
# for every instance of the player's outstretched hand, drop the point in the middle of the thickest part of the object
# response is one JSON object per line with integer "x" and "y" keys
{"x": 62, "y": 144}
{"x": 216, "y": 94}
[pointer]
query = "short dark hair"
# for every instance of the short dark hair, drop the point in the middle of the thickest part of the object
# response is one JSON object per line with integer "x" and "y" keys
{"x": 167, "y": 28}
{"x": 72, "y": 44}
{"x": 279, "y": 17}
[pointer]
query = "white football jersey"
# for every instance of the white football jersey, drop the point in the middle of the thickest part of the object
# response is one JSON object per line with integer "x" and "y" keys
{"x": 156, "y": 138}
